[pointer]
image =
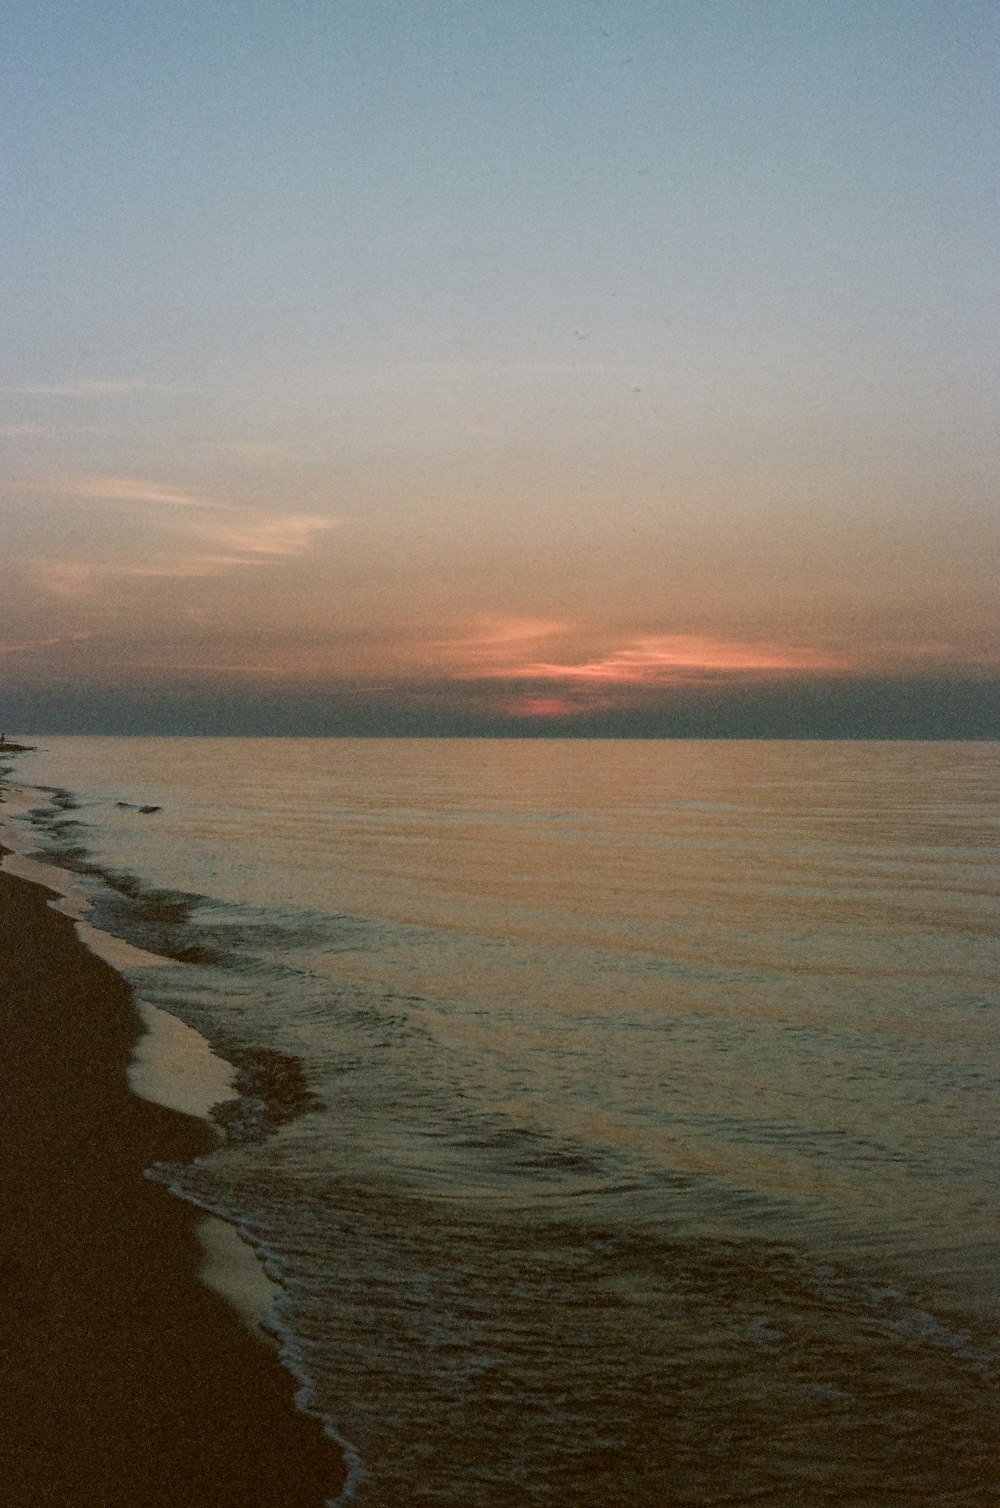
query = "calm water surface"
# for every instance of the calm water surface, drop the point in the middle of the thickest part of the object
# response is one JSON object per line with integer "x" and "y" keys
{"x": 620, "y": 1118}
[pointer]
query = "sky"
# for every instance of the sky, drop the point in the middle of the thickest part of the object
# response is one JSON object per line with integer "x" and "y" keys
{"x": 605, "y": 367}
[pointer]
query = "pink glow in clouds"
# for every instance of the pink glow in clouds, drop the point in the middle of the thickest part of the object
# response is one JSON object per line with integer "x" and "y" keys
{"x": 503, "y": 650}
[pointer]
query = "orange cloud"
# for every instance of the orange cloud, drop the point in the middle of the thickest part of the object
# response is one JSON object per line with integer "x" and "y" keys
{"x": 661, "y": 659}
{"x": 506, "y": 648}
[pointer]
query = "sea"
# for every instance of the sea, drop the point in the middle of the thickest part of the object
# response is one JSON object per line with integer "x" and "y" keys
{"x": 617, "y": 1120}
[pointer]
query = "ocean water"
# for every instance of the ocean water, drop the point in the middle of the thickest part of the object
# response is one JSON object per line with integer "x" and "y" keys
{"x": 619, "y": 1119}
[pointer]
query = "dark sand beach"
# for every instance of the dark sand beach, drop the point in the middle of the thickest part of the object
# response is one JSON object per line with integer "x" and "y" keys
{"x": 123, "y": 1379}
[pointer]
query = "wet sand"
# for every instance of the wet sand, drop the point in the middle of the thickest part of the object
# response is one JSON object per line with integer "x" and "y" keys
{"x": 123, "y": 1378}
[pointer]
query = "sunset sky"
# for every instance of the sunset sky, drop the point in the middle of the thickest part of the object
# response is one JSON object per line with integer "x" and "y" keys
{"x": 516, "y": 366}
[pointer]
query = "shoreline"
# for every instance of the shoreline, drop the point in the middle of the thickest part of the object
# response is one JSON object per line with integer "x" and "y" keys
{"x": 125, "y": 1379}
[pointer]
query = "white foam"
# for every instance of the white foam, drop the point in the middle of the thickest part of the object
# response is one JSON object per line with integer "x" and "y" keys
{"x": 173, "y": 1065}
{"x": 19, "y": 799}
{"x": 121, "y": 955}
{"x": 70, "y": 900}
{"x": 231, "y": 1268}
{"x": 23, "y": 862}
{"x": 23, "y": 866}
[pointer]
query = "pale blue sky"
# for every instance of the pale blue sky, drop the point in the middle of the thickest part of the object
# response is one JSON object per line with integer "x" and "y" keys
{"x": 389, "y": 181}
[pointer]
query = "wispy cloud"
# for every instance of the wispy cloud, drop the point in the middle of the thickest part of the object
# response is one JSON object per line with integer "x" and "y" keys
{"x": 30, "y": 646}
{"x": 63, "y": 578}
{"x": 663, "y": 658}
{"x": 233, "y": 541}
{"x": 175, "y": 570}
{"x": 268, "y": 535}
{"x": 500, "y": 648}
{"x": 79, "y": 580}
{"x": 119, "y": 489}
{"x": 16, "y": 431}
{"x": 494, "y": 640}
{"x": 495, "y": 629}
{"x": 242, "y": 535}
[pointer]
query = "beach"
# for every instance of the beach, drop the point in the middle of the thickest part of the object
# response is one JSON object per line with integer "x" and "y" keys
{"x": 123, "y": 1378}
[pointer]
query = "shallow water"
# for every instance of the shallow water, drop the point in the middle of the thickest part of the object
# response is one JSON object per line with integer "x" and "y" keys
{"x": 619, "y": 1118}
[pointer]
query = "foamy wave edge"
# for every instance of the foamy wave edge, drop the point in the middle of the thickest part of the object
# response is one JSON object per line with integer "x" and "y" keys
{"x": 149, "y": 1077}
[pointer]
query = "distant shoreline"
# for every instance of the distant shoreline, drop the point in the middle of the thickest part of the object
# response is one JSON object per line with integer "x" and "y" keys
{"x": 124, "y": 1380}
